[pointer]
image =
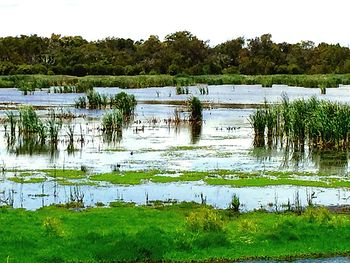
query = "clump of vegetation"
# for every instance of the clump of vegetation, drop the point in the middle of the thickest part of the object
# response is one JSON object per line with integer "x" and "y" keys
{"x": 81, "y": 102}
{"x": 54, "y": 125}
{"x": 29, "y": 123}
{"x": 12, "y": 119}
{"x": 30, "y": 132}
{"x": 182, "y": 90}
{"x": 112, "y": 121}
{"x": 122, "y": 101}
{"x": 53, "y": 226}
{"x": 235, "y": 204}
{"x": 195, "y": 109}
{"x": 203, "y": 89}
{"x": 317, "y": 215}
{"x": 205, "y": 219}
{"x": 318, "y": 124}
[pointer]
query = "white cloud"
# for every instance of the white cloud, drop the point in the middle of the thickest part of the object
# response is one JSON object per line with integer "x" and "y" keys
{"x": 216, "y": 21}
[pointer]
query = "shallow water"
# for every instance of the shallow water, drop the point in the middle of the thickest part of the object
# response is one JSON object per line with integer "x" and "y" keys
{"x": 240, "y": 94}
{"x": 28, "y": 195}
{"x": 225, "y": 141}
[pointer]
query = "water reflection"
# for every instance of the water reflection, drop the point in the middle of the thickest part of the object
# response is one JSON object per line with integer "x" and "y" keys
{"x": 195, "y": 132}
{"x": 325, "y": 161}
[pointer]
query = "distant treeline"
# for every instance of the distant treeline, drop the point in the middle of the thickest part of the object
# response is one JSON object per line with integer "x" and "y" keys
{"x": 179, "y": 53}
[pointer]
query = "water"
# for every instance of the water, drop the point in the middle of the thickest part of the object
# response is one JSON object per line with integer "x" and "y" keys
{"x": 239, "y": 94}
{"x": 224, "y": 141}
{"x": 29, "y": 196}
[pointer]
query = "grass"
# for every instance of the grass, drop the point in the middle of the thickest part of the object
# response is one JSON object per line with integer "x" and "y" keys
{"x": 129, "y": 177}
{"x": 189, "y": 148}
{"x": 317, "y": 123}
{"x": 22, "y": 180}
{"x": 28, "y": 83}
{"x": 215, "y": 177}
{"x": 182, "y": 232}
{"x": 67, "y": 173}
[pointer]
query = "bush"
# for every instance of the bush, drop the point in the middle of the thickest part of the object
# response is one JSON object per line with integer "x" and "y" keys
{"x": 53, "y": 226}
{"x": 195, "y": 108}
{"x": 319, "y": 215}
{"x": 205, "y": 219}
{"x": 235, "y": 204}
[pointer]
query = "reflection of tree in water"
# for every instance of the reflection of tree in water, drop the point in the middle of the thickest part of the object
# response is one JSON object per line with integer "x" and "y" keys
{"x": 196, "y": 131}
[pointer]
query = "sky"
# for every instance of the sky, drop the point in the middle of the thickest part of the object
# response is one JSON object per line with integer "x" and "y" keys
{"x": 214, "y": 20}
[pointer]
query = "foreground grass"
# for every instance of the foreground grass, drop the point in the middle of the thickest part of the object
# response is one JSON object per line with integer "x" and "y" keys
{"x": 216, "y": 177}
{"x": 180, "y": 232}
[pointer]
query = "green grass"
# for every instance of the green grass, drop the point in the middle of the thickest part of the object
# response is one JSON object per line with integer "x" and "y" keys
{"x": 129, "y": 233}
{"x": 189, "y": 148}
{"x": 216, "y": 177}
{"x": 22, "y": 180}
{"x": 142, "y": 81}
{"x": 129, "y": 177}
{"x": 66, "y": 173}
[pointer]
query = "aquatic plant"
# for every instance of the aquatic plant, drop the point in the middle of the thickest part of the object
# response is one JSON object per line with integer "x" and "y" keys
{"x": 54, "y": 125}
{"x": 112, "y": 121}
{"x": 124, "y": 102}
{"x": 320, "y": 124}
{"x": 84, "y": 86}
{"x": 93, "y": 99}
{"x": 235, "y": 204}
{"x": 11, "y": 118}
{"x": 195, "y": 109}
{"x": 80, "y": 102}
{"x": 203, "y": 89}
{"x": 25, "y": 87}
{"x": 258, "y": 121}
{"x": 29, "y": 122}
{"x": 182, "y": 90}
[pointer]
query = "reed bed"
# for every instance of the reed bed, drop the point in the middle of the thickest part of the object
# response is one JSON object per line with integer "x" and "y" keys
{"x": 82, "y": 84}
{"x": 317, "y": 123}
{"x": 93, "y": 100}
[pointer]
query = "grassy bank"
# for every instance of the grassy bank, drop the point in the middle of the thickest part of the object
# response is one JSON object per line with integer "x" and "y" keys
{"x": 142, "y": 81}
{"x": 216, "y": 177}
{"x": 179, "y": 232}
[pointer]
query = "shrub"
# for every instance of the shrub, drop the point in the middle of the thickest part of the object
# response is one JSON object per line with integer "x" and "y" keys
{"x": 205, "y": 219}
{"x": 235, "y": 204}
{"x": 319, "y": 215}
{"x": 53, "y": 226}
{"x": 195, "y": 108}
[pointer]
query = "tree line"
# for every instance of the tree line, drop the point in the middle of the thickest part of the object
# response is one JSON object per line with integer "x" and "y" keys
{"x": 179, "y": 53}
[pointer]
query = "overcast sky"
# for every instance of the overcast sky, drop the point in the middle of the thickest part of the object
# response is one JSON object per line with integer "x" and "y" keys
{"x": 213, "y": 20}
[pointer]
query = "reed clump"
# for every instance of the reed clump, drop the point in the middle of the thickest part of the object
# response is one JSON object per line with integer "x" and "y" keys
{"x": 29, "y": 129}
{"x": 122, "y": 101}
{"x": 195, "y": 109}
{"x": 316, "y": 123}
